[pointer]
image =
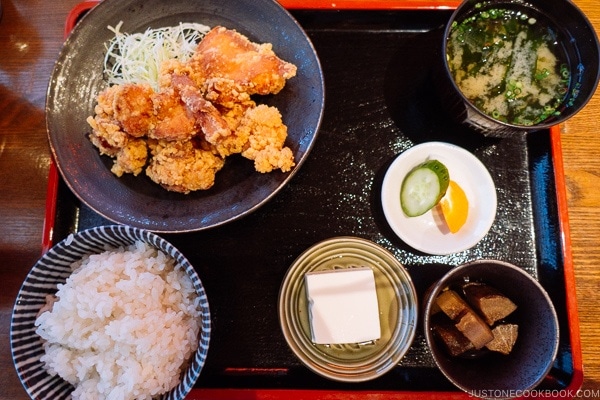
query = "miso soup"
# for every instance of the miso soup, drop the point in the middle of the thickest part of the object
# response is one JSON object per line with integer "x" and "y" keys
{"x": 509, "y": 64}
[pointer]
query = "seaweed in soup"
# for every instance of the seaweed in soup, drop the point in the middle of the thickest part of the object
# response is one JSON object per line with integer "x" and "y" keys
{"x": 509, "y": 64}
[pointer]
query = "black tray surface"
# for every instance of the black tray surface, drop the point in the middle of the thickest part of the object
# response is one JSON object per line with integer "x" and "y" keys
{"x": 380, "y": 101}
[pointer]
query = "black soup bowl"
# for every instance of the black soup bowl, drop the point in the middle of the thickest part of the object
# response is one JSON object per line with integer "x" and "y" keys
{"x": 517, "y": 66}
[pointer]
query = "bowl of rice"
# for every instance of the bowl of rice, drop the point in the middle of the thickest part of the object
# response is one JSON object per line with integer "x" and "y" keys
{"x": 110, "y": 312}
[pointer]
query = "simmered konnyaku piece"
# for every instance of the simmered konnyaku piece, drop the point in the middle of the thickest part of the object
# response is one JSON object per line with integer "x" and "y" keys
{"x": 453, "y": 340}
{"x": 466, "y": 319}
{"x": 505, "y": 336}
{"x": 491, "y": 304}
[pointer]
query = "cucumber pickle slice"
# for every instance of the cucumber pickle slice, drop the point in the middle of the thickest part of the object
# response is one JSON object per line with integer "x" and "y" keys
{"x": 423, "y": 187}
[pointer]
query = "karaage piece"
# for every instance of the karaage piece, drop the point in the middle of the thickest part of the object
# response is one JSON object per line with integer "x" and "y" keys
{"x": 230, "y": 67}
{"x": 123, "y": 115}
{"x": 131, "y": 159}
{"x": 174, "y": 120}
{"x": 266, "y": 137}
{"x": 107, "y": 134}
{"x": 207, "y": 116}
{"x": 134, "y": 109}
{"x": 237, "y": 140}
{"x": 182, "y": 166}
{"x": 130, "y": 153}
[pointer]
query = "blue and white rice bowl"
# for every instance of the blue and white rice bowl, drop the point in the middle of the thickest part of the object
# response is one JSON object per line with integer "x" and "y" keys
{"x": 54, "y": 268}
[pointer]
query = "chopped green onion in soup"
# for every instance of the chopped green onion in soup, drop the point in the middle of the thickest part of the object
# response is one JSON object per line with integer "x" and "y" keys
{"x": 508, "y": 65}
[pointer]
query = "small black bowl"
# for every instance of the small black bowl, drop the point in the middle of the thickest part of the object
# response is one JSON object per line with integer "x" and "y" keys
{"x": 575, "y": 35}
{"x": 495, "y": 375}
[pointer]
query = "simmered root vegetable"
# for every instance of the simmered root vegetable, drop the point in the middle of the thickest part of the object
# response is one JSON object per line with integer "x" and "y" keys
{"x": 467, "y": 323}
{"x": 489, "y": 302}
{"x": 451, "y": 304}
{"x": 453, "y": 340}
{"x": 466, "y": 320}
{"x": 475, "y": 329}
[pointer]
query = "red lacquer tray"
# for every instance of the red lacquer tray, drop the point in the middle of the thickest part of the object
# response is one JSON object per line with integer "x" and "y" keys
{"x": 364, "y": 46}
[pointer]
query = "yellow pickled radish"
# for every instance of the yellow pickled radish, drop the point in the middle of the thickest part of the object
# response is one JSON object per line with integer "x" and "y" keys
{"x": 455, "y": 207}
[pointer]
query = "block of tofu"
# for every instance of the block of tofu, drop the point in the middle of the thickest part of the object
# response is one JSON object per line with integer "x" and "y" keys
{"x": 343, "y": 306}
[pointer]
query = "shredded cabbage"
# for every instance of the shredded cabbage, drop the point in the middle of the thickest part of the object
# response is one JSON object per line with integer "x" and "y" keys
{"x": 137, "y": 57}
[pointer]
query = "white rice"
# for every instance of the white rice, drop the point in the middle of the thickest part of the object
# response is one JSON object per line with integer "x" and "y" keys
{"x": 125, "y": 324}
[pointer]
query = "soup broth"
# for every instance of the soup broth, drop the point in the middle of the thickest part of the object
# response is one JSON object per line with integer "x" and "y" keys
{"x": 509, "y": 64}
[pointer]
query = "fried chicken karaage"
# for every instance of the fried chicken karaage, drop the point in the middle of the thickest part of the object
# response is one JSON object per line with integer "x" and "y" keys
{"x": 203, "y": 112}
{"x": 230, "y": 68}
{"x": 182, "y": 165}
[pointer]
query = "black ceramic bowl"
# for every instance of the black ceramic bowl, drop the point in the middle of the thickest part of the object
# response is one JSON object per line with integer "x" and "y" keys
{"x": 239, "y": 190}
{"x": 494, "y": 375}
{"x": 575, "y": 36}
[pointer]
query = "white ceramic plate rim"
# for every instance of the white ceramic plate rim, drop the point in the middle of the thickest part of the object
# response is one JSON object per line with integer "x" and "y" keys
{"x": 427, "y": 233}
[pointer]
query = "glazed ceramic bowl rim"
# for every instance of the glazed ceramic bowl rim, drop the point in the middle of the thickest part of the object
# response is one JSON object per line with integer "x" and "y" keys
{"x": 238, "y": 190}
{"x": 402, "y": 335}
{"x": 54, "y": 267}
{"x": 586, "y": 23}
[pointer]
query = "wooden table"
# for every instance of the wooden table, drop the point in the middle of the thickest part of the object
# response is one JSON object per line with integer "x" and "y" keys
{"x": 31, "y": 34}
